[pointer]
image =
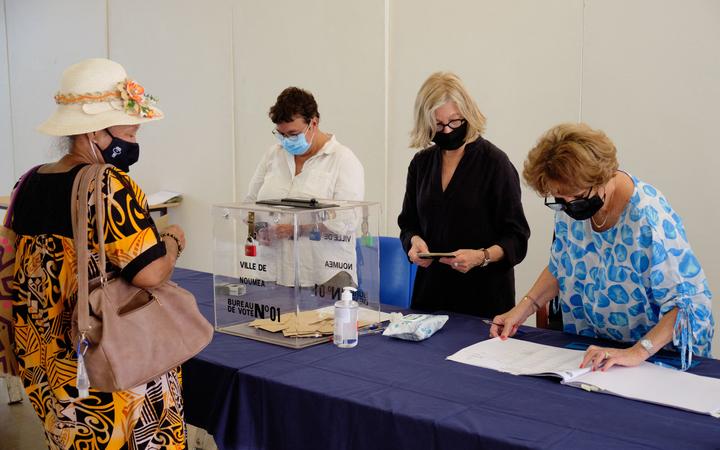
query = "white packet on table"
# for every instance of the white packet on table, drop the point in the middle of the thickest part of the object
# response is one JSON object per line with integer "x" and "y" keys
{"x": 415, "y": 327}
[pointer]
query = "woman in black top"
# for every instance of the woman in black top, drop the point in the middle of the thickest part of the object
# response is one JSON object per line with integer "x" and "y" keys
{"x": 462, "y": 197}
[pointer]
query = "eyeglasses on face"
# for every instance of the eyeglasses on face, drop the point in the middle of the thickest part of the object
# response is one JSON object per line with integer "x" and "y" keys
{"x": 292, "y": 137}
{"x": 453, "y": 125}
{"x": 573, "y": 205}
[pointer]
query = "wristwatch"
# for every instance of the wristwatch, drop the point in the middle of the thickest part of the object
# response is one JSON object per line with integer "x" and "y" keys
{"x": 486, "y": 257}
{"x": 647, "y": 345}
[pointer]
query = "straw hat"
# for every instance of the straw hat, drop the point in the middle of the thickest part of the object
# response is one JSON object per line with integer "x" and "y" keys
{"x": 96, "y": 94}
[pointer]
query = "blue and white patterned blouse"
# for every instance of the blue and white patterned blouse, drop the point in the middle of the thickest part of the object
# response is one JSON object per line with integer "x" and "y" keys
{"x": 618, "y": 283}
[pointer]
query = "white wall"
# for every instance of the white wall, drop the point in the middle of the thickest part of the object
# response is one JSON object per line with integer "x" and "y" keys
{"x": 181, "y": 51}
{"x": 645, "y": 71}
{"x": 7, "y": 172}
{"x": 41, "y": 43}
{"x": 333, "y": 49}
{"x": 653, "y": 85}
{"x": 523, "y": 78}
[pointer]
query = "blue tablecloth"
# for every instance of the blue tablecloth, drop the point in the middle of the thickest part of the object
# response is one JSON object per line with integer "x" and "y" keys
{"x": 392, "y": 394}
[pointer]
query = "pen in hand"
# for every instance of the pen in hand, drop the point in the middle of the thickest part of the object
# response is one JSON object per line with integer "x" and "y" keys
{"x": 518, "y": 332}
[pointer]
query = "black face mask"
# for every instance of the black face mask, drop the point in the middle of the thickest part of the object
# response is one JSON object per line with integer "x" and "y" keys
{"x": 120, "y": 153}
{"x": 452, "y": 140}
{"x": 580, "y": 208}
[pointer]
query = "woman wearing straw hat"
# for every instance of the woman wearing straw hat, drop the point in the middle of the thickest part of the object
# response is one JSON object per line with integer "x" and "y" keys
{"x": 100, "y": 111}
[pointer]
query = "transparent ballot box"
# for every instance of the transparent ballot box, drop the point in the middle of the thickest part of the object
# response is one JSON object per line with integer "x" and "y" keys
{"x": 278, "y": 269}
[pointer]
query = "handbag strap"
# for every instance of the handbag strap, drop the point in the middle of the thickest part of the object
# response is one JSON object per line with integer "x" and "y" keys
{"x": 79, "y": 209}
{"x": 13, "y": 196}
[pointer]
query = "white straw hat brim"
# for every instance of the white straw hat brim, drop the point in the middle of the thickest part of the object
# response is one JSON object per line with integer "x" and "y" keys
{"x": 69, "y": 120}
{"x": 96, "y": 94}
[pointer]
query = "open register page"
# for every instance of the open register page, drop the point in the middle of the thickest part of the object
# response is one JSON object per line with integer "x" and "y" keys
{"x": 646, "y": 382}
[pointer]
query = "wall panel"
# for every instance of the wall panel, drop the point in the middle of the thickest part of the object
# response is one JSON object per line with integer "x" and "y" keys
{"x": 333, "y": 49}
{"x": 650, "y": 80}
{"x": 44, "y": 37}
{"x": 7, "y": 172}
{"x": 521, "y": 62}
{"x": 181, "y": 52}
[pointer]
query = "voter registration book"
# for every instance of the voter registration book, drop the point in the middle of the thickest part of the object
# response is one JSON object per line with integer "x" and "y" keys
{"x": 647, "y": 382}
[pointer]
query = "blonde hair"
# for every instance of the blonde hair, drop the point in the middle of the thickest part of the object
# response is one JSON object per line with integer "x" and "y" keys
{"x": 437, "y": 90}
{"x": 572, "y": 155}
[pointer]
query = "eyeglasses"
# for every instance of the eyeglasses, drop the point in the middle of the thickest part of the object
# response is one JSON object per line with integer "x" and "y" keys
{"x": 573, "y": 205}
{"x": 453, "y": 125}
{"x": 292, "y": 137}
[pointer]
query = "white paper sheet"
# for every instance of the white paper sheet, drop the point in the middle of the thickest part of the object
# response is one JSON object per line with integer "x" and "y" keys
{"x": 160, "y": 197}
{"x": 646, "y": 382}
{"x": 521, "y": 358}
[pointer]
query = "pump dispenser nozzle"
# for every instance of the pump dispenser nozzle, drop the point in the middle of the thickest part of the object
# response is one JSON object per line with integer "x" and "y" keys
{"x": 347, "y": 295}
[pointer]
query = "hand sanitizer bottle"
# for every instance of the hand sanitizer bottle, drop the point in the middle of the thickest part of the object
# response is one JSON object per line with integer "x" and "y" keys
{"x": 346, "y": 316}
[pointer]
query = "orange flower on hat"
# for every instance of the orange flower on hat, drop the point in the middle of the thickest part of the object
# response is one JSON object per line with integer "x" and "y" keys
{"x": 134, "y": 90}
{"x": 135, "y": 100}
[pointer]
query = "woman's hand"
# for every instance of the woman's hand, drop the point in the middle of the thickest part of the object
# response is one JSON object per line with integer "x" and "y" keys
{"x": 465, "y": 259}
{"x": 176, "y": 231}
{"x": 160, "y": 270}
{"x": 506, "y": 325}
{"x": 418, "y": 246}
{"x": 604, "y": 358}
{"x": 281, "y": 231}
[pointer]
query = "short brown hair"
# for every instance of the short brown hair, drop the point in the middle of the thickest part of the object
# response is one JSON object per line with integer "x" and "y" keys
{"x": 438, "y": 89}
{"x": 573, "y": 155}
{"x": 293, "y": 102}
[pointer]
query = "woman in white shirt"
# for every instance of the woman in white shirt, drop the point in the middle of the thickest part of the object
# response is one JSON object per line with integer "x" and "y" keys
{"x": 305, "y": 163}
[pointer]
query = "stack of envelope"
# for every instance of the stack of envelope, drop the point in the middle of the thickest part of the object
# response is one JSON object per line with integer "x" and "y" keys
{"x": 314, "y": 323}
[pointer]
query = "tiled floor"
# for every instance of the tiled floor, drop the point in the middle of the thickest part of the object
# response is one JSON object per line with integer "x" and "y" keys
{"x": 20, "y": 428}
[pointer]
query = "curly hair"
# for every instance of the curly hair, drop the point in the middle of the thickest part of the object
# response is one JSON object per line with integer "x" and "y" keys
{"x": 293, "y": 102}
{"x": 572, "y": 155}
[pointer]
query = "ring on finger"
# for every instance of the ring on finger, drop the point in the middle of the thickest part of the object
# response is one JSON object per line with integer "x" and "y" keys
{"x": 607, "y": 355}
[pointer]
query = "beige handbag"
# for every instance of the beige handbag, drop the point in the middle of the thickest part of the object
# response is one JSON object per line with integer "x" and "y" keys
{"x": 126, "y": 335}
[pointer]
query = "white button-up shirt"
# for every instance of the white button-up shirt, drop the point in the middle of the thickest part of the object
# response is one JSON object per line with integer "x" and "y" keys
{"x": 333, "y": 173}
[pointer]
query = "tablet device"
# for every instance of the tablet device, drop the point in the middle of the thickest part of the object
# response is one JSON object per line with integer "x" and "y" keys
{"x": 431, "y": 255}
{"x": 307, "y": 203}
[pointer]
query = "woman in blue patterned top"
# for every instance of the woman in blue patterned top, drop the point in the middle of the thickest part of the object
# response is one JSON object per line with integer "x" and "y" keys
{"x": 620, "y": 261}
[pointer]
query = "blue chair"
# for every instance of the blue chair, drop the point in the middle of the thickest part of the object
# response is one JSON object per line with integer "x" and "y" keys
{"x": 397, "y": 274}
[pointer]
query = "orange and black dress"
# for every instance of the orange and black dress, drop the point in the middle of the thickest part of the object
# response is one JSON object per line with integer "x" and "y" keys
{"x": 149, "y": 416}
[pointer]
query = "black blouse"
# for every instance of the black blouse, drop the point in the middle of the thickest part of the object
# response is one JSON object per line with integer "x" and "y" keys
{"x": 480, "y": 207}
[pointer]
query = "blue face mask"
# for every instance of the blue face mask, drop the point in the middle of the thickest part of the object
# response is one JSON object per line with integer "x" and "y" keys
{"x": 296, "y": 145}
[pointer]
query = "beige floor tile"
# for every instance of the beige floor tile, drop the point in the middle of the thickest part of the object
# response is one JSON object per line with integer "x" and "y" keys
{"x": 20, "y": 427}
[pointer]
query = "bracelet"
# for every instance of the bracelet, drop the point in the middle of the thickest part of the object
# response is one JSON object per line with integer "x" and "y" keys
{"x": 486, "y": 257}
{"x": 177, "y": 241}
{"x": 536, "y": 307}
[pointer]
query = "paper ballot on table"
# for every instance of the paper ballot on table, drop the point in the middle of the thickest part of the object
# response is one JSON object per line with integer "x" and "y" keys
{"x": 646, "y": 382}
{"x": 160, "y": 197}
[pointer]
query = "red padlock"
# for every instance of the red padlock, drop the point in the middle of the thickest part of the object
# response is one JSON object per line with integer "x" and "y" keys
{"x": 251, "y": 248}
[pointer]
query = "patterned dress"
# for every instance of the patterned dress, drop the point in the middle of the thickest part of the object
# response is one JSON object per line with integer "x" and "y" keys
{"x": 149, "y": 416}
{"x": 618, "y": 283}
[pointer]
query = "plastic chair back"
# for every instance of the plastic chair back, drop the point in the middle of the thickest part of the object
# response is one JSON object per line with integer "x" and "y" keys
{"x": 397, "y": 274}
